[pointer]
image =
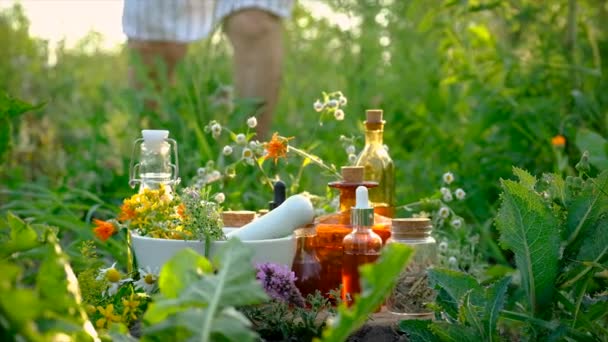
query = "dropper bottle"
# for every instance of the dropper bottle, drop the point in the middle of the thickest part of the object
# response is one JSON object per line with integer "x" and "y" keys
{"x": 362, "y": 246}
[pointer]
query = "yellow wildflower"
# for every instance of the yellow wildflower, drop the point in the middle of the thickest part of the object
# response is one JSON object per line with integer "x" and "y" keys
{"x": 130, "y": 307}
{"x": 108, "y": 316}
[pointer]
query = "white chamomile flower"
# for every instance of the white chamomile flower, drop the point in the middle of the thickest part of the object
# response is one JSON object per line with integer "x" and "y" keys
{"x": 113, "y": 279}
{"x": 216, "y": 130}
{"x": 351, "y": 149}
{"x": 241, "y": 139}
{"x": 342, "y": 100}
{"x": 332, "y": 104}
{"x": 460, "y": 194}
{"x": 252, "y": 122}
{"x": 444, "y": 212}
{"x": 250, "y": 161}
{"x": 448, "y": 177}
{"x": 339, "y": 114}
{"x": 201, "y": 171}
{"x": 247, "y": 153}
{"x": 444, "y": 191}
{"x": 456, "y": 223}
{"x": 318, "y": 106}
{"x": 352, "y": 159}
{"x": 227, "y": 150}
{"x": 254, "y": 144}
{"x": 453, "y": 261}
{"x": 447, "y": 197}
{"x": 148, "y": 280}
{"x": 443, "y": 247}
{"x": 220, "y": 197}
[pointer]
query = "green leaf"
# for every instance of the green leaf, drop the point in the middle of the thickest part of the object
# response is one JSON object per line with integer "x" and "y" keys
{"x": 5, "y": 136}
{"x": 529, "y": 229}
{"x": 377, "y": 280}
{"x": 525, "y": 178}
{"x": 584, "y": 211}
{"x": 457, "y": 284}
{"x": 181, "y": 270}
{"x": 470, "y": 315}
{"x": 587, "y": 140}
{"x": 22, "y": 236}
{"x": 418, "y": 330}
{"x": 454, "y": 333}
{"x": 207, "y": 301}
{"x": 496, "y": 294}
{"x": 11, "y": 107}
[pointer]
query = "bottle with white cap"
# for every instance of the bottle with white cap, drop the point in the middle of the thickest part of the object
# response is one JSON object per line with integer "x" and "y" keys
{"x": 156, "y": 165}
{"x": 362, "y": 246}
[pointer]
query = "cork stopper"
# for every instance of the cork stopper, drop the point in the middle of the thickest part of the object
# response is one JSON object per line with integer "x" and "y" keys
{"x": 352, "y": 174}
{"x": 374, "y": 116}
{"x": 237, "y": 218}
{"x": 411, "y": 227}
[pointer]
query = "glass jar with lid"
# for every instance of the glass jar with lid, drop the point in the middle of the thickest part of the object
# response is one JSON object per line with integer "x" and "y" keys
{"x": 412, "y": 292}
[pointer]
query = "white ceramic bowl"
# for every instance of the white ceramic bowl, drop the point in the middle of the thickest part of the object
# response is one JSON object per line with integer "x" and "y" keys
{"x": 154, "y": 252}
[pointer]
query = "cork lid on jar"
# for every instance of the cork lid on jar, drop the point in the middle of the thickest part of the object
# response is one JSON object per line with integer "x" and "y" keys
{"x": 237, "y": 218}
{"x": 411, "y": 227}
{"x": 352, "y": 176}
{"x": 373, "y": 119}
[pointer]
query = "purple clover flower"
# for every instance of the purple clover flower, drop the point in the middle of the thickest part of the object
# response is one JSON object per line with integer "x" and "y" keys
{"x": 279, "y": 283}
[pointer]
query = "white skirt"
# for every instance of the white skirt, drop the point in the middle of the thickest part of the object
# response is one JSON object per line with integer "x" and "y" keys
{"x": 187, "y": 20}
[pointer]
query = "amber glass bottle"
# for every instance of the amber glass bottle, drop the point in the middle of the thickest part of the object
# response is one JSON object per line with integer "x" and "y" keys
{"x": 378, "y": 165}
{"x": 306, "y": 264}
{"x": 362, "y": 246}
{"x": 331, "y": 229}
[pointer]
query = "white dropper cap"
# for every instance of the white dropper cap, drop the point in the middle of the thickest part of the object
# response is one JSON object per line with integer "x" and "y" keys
{"x": 362, "y": 214}
{"x": 154, "y": 137}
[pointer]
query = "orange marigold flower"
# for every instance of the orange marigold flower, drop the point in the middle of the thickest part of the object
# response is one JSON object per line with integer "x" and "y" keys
{"x": 277, "y": 147}
{"x": 126, "y": 212}
{"x": 181, "y": 211}
{"x": 104, "y": 229}
{"x": 558, "y": 141}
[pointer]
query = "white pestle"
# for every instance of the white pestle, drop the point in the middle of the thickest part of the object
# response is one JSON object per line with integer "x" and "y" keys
{"x": 295, "y": 212}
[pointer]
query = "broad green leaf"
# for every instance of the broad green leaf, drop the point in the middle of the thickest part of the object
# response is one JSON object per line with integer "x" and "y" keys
{"x": 583, "y": 213}
{"x": 457, "y": 284}
{"x": 208, "y": 300}
{"x": 454, "y": 333}
{"x": 495, "y": 299}
{"x": 11, "y": 107}
{"x": 587, "y": 140}
{"x": 418, "y": 330}
{"x": 558, "y": 188}
{"x": 525, "y": 178}
{"x": 529, "y": 229}
{"x": 470, "y": 315}
{"x": 22, "y": 236}
{"x": 377, "y": 280}
{"x": 22, "y": 304}
{"x": 181, "y": 270}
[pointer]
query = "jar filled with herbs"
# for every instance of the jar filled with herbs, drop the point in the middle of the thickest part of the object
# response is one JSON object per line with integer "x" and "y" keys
{"x": 412, "y": 292}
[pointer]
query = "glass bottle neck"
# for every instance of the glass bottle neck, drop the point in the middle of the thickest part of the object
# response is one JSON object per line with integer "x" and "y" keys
{"x": 373, "y": 137}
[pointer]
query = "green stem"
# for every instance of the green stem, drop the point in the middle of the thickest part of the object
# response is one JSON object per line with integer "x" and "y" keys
{"x": 266, "y": 178}
{"x": 207, "y": 246}
{"x": 314, "y": 159}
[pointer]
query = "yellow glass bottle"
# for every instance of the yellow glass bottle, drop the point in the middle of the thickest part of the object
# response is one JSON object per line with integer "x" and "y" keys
{"x": 378, "y": 165}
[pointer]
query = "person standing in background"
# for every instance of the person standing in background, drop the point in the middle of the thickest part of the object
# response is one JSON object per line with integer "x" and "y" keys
{"x": 162, "y": 29}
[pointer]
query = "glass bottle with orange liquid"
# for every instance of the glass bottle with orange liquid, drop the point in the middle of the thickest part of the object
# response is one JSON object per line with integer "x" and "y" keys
{"x": 362, "y": 246}
{"x": 378, "y": 165}
{"x": 331, "y": 229}
{"x": 306, "y": 264}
